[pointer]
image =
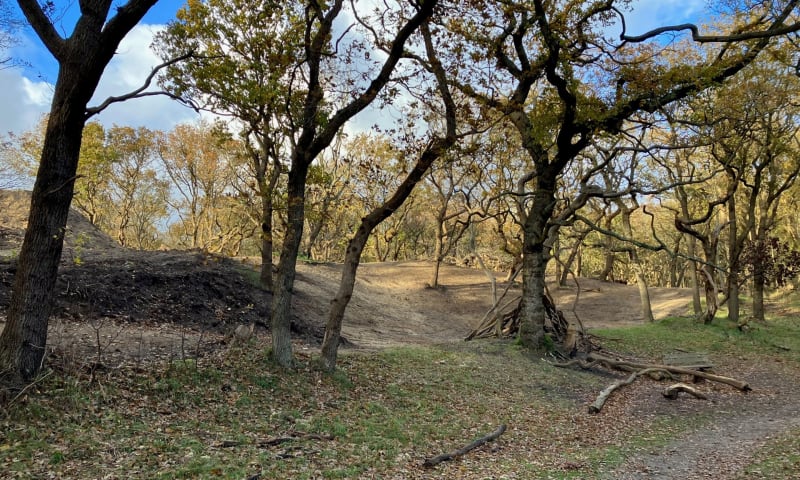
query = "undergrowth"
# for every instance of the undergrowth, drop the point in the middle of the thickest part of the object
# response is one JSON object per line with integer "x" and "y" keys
{"x": 236, "y": 415}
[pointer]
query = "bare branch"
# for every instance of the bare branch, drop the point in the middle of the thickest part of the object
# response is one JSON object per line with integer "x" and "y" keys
{"x": 774, "y": 30}
{"x": 140, "y": 92}
{"x": 712, "y": 38}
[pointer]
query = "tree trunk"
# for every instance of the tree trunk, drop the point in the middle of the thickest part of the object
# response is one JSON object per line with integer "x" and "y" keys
{"x": 82, "y": 59}
{"x": 607, "y": 274}
{"x": 534, "y": 261}
{"x": 674, "y": 277}
{"x": 316, "y": 229}
{"x": 265, "y": 275}
{"x": 574, "y": 257}
{"x": 641, "y": 282}
{"x": 638, "y": 270}
{"x": 733, "y": 263}
{"x": 691, "y": 251}
{"x": 608, "y": 266}
{"x": 287, "y": 265}
{"x": 561, "y": 276}
{"x": 710, "y": 290}
{"x": 532, "y": 313}
{"x": 22, "y": 344}
{"x": 758, "y": 294}
{"x": 333, "y": 328}
{"x": 733, "y": 295}
{"x": 438, "y": 247}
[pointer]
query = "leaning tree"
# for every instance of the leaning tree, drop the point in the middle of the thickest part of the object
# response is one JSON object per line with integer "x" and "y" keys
{"x": 319, "y": 123}
{"x": 82, "y": 57}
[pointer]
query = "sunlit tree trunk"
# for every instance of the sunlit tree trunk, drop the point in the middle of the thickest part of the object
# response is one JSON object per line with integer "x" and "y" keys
{"x": 438, "y": 248}
{"x": 638, "y": 269}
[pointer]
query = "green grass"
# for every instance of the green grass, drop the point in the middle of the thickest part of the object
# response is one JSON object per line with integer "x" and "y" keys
{"x": 778, "y": 459}
{"x": 777, "y": 336}
{"x": 386, "y": 412}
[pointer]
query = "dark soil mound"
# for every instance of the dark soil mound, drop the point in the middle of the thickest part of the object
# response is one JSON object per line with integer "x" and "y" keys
{"x": 100, "y": 279}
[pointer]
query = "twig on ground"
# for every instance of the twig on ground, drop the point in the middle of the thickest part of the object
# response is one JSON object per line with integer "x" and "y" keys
{"x": 432, "y": 462}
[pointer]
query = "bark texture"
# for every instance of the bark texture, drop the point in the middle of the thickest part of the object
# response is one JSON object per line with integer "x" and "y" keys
{"x": 82, "y": 59}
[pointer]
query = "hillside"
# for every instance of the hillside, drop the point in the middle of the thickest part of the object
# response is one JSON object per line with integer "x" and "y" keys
{"x": 192, "y": 294}
{"x": 143, "y": 310}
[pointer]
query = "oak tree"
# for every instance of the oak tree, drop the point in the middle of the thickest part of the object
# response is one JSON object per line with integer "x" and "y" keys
{"x": 547, "y": 69}
{"x": 82, "y": 57}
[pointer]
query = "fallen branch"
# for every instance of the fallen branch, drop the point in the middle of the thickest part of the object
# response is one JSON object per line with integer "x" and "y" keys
{"x": 672, "y": 391}
{"x": 633, "y": 367}
{"x": 601, "y": 399}
{"x": 271, "y": 442}
{"x": 432, "y": 462}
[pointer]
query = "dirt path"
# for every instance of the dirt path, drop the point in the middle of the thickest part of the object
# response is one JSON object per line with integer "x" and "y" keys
{"x": 723, "y": 448}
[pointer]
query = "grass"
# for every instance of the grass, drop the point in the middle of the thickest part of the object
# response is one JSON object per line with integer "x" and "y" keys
{"x": 780, "y": 458}
{"x": 777, "y": 336}
{"x": 385, "y": 412}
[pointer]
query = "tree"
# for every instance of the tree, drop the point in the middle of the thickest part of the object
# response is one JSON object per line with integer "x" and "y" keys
{"x": 9, "y": 25}
{"x": 328, "y": 182}
{"x": 95, "y": 171}
{"x": 245, "y": 66}
{"x": 82, "y": 58}
{"x": 562, "y": 85}
{"x": 760, "y": 154}
{"x": 435, "y": 148}
{"x": 317, "y": 127}
{"x": 20, "y": 154}
{"x": 137, "y": 196}
{"x": 454, "y": 182}
{"x": 200, "y": 161}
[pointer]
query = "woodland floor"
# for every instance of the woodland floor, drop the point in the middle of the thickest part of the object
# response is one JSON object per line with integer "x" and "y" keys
{"x": 133, "y": 307}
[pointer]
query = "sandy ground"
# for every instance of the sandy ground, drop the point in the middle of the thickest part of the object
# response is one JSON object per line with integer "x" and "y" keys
{"x": 392, "y": 303}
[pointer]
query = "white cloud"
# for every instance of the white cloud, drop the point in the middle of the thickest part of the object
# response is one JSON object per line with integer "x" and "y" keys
{"x": 24, "y": 100}
{"x": 127, "y": 71}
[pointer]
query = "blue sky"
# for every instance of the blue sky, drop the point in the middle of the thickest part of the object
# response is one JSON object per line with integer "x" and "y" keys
{"x": 25, "y": 92}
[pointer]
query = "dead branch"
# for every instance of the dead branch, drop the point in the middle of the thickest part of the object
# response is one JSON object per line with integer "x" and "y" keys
{"x": 672, "y": 391}
{"x": 274, "y": 441}
{"x": 432, "y": 462}
{"x": 634, "y": 366}
{"x": 140, "y": 92}
{"x": 601, "y": 399}
{"x": 271, "y": 442}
